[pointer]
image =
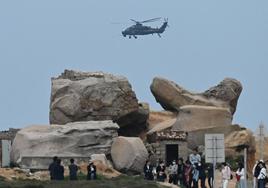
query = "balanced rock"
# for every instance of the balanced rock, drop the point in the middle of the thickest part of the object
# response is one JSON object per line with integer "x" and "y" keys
{"x": 85, "y": 96}
{"x": 195, "y": 117}
{"x": 129, "y": 154}
{"x": 79, "y": 139}
{"x": 172, "y": 97}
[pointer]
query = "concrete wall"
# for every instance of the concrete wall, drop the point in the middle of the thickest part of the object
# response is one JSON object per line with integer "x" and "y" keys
{"x": 159, "y": 148}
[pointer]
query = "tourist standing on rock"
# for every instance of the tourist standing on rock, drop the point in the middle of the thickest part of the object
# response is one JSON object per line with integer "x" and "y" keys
{"x": 148, "y": 171}
{"x": 240, "y": 175}
{"x": 210, "y": 175}
{"x": 91, "y": 171}
{"x": 173, "y": 170}
{"x": 52, "y": 167}
{"x": 59, "y": 171}
{"x": 180, "y": 172}
{"x": 262, "y": 175}
{"x": 160, "y": 172}
{"x": 226, "y": 174}
{"x": 73, "y": 168}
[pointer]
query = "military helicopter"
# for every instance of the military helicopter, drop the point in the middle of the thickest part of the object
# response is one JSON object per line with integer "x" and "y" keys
{"x": 139, "y": 29}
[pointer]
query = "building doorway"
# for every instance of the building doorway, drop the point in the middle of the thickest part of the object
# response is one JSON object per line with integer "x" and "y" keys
{"x": 171, "y": 153}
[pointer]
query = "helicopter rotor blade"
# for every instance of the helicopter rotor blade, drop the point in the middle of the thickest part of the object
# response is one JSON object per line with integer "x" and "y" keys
{"x": 151, "y": 20}
{"x": 135, "y": 21}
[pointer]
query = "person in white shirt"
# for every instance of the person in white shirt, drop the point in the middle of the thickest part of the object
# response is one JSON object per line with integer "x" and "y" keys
{"x": 262, "y": 175}
{"x": 240, "y": 175}
{"x": 226, "y": 173}
{"x": 195, "y": 157}
{"x": 173, "y": 173}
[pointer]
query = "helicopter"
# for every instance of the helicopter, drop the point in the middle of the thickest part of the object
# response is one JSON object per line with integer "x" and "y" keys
{"x": 139, "y": 29}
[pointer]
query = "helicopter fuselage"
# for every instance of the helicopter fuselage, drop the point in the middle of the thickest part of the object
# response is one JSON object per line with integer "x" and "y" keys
{"x": 140, "y": 29}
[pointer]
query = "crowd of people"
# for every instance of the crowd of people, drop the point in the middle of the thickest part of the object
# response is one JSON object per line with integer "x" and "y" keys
{"x": 194, "y": 173}
{"x": 56, "y": 170}
{"x": 189, "y": 174}
{"x": 186, "y": 174}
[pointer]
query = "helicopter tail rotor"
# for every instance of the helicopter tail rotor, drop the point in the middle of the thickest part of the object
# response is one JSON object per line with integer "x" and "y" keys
{"x": 166, "y": 20}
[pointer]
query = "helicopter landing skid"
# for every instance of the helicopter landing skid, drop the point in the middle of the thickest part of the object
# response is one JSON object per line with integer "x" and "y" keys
{"x": 133, "y": 36}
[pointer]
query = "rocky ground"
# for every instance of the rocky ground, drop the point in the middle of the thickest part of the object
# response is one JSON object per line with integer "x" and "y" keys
{"x": 122, "y": 181}
{"x": 22, "y": 178}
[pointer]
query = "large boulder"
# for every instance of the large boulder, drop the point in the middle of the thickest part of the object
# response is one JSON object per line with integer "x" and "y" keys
{"x": 79, "y": 139}
{"x": 129, "y": 154}
{"x": 235, "y": 143}
{"x": 196, "y": 138}
{"x": 172, "y": 97}
{"x": 85, "y": 96}
{"x": 195, "y": 117}
{"x": 238, "y": 140}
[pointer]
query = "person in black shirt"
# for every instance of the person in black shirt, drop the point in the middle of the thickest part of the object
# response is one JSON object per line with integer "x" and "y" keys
{"x": 181, "y": 177}
{"x": 52, "y": 167}
{"x": 59, "y": 171}
{"x": 148, "y": 171}
{"x": 160, "y": 172}
{"x": 91, "y": 171}
{"x": 202, "y": 174}
{"x": 210, "y": 175}
{"x": 73, "y": 168}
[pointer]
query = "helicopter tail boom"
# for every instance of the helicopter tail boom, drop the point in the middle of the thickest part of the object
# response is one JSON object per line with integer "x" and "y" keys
{"x": 163, "y": 27}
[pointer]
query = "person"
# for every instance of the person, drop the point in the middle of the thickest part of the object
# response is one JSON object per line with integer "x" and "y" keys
{"x": 51, "y": 168}
{"x": 173, "y": 169}
{"x": 202, "y": 174}
{"x": 262, "y": 175}
{"x": 240, "y": 175}
{"x": 160, "y": 172}
{"x": 210, "y": 175}
{"x": 91, "y": 171}
{"x": 188, "y": 174}
{"x": 180, "y": 172}
{"x": 255, "y": 173}
{"x": 73, "y": 168}
{"x": 195, "y": 157}
{"x": 195, "y": 173}
{"x": 59, "y": 171}
{"x": 226, "y": 174}
{"x": 148, "y": 171}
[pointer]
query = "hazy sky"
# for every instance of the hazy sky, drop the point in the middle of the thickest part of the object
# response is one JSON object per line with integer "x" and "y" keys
{"x": 206, "y": 42}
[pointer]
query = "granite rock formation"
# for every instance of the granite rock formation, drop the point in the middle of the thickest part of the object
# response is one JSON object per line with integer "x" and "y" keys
{"x": 129, "y": 154}
{"x": 134, "y": 123}
{"x": 172, "y": 96}
{"x": 85, "y": 96}
{"x": 71, "y": 140}
{"x": 195, "y": 117}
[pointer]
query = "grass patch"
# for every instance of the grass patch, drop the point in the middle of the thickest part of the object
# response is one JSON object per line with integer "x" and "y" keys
{"x": 122, "y": 181}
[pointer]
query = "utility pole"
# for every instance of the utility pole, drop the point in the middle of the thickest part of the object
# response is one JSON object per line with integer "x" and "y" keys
{"x": 261, "y": 137}
{"x": 245, "y": 166}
